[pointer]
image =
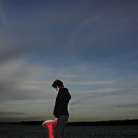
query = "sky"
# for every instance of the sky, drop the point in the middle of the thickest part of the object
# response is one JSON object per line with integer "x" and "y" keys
{"x": 90, "y": 45}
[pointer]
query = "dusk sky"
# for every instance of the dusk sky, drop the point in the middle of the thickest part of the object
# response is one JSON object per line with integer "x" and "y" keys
{"x": 91, "y": 45}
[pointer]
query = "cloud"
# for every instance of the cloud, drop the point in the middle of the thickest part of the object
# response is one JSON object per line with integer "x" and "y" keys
{"x": 124, "y": 105}
{"x": 40, "y": 36}
{"x": 104, "y": 31}
{"x": 10, "y": 113}
{"x": 25, "y": 84}
{"x": 90, "y": 20}
{"x": 12, "y": 54}
{"x": 95, "y": 95}
{"x": 19, "y": 119}
{"x": 90, "y": 83}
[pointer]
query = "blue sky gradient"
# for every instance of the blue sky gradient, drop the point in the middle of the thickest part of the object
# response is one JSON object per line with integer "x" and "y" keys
{"x": 91, "y": 45}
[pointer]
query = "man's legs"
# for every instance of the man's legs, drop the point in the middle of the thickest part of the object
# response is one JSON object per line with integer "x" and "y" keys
{"x": 60, "y": 126}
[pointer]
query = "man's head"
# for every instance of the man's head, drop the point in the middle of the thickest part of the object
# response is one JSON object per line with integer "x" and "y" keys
{"x": 57, "y": 84}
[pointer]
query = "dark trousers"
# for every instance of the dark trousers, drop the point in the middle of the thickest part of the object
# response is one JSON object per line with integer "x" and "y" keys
{"x": 60, "y": 126}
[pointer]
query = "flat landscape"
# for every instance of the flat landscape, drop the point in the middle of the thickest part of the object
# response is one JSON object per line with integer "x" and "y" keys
{"x": 36, "y": 131}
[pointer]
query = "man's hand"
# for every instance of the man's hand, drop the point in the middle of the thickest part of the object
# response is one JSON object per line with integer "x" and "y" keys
{"x": 55, "y": 119}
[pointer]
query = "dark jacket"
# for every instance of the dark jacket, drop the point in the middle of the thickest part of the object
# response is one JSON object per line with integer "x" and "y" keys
{"x": 61, "y": 104}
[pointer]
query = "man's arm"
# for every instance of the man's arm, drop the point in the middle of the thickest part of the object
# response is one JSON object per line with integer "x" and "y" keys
{"x": 59, "y": 104}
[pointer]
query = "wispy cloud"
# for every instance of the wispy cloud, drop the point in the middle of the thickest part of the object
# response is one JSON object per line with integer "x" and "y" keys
{"x": 90, "y": 20}
{"x": 95, "y": 95}
{"x": 90, "y": 83}
{"x": 124, "y": 105}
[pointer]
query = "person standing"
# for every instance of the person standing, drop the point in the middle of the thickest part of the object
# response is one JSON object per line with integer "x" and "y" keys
{"x": 61, "y": 113}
